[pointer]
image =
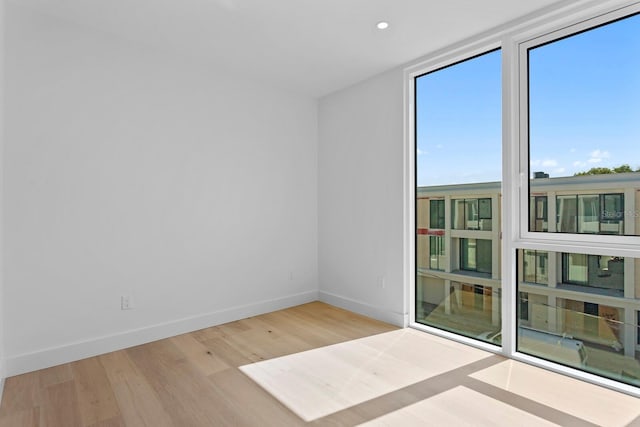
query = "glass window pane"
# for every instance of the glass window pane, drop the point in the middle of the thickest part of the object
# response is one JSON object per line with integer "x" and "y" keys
{"x": 471, "y": 211}
{"x": 468, "y": 254}
{"x": 484, "y": 213}
{"x": 539, "y": 218}
{"x": 483, "y": 256}
{"x": 530, "y": 266}
{"x": 542, "y": 261}
{"x": 575, "y": 268}
{"x": 583, "y": 105}
{"x": 612, "y": 214}
{"x": 458, "y": 111}
{"x": 484, "y": 208}
{"x": 436, "y": 214}
{"x": 458, "y": 215}
{"x": 436, "y": 253}
{"x": 567, "y": 211}
{"x": 596, "y": 329}
{"x": 535, "y": 267}
{"x": 588, "y": 214}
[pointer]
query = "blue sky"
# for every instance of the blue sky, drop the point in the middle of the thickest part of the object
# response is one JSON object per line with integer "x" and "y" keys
{"x": 584, "y": 109}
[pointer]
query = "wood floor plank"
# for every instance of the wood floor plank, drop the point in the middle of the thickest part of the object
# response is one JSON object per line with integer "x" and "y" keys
{"x": 199, "y": 355}
{"x": 95, "y": 396}
{"x": 24, "y": 393}
{"x": 208, "y": 333}
{"x": 136, "y": 399}
{"x": 56, "y": 375}
{"x": 26, "y": 418}
{"x": 262, "y": 341}
{"x": 187, "y": 396}
{"x": 112, "y": 422}
{"x": 60, "y": 406}
{"x": 254, "y": 407}
{"x": 227, "y": 351}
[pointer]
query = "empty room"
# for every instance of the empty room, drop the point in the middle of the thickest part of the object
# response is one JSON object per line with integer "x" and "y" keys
{"x": 331, "y": 213}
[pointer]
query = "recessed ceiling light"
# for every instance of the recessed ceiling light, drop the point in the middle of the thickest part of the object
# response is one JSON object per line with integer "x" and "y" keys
{"x": 382, "y": 25}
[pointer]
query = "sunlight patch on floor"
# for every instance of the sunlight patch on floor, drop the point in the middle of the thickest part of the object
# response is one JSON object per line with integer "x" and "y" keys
{"x": 319, "y": 382}
{"x": 459, "y": 406}
{"x": 589, "y": 402}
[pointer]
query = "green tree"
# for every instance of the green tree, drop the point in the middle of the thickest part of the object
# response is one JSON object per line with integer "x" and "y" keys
{"x": 623, "y": 168}
{"x": 603, "y": 171}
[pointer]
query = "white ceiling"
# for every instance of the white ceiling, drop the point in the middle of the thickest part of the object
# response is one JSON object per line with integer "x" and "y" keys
{"x": 311, "y": 46}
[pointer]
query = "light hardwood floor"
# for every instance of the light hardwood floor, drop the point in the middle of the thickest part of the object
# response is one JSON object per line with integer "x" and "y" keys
{"x": 374, "y": 375}
{"x": 188, "y": 380}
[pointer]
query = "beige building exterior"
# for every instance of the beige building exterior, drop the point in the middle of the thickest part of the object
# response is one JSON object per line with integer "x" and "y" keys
{"x": 592, "y": 298}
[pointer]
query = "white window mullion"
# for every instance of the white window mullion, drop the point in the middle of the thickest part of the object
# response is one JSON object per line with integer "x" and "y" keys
{"x": 510, "y": 192}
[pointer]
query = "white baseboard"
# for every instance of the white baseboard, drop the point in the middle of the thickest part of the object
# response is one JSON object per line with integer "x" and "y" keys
{"x": 46, "y": 358}
{"x": 398, "y": 319}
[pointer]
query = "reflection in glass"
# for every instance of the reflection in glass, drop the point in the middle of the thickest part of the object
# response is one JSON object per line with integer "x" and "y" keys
{"x": 464, "y": 308}
{"x": 567, "y": 208}
{"x": 436, "y": 253}
{"x": 535, "y": 267}
{"x": 586, "y": 317}
{"x": 540, "y": 213}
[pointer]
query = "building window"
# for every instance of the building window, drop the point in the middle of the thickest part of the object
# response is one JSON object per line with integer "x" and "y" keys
{"x": 436, "y": 252}
{"x": 574, "y": 268}
{"x": 590, "y": 213}
{"x": 523, "y": 306}
{"x": 611, "y": 214}
{"x": 475, "y": 255}
{"x": 535, "y": 267}
{"x": 594, "y": 271}
{"x": 539, "y": 214}
{"x": 471, "y": 214}
{"x": 436, "y": 214}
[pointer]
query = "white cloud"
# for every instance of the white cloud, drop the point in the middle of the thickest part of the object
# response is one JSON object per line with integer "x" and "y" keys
{"x": 597, "y": 156}
{"x": 579, "y": 164}
{"x": 549, "y": 163}
{"x": 559, "y": 171}
{"x": 421, "y": 152}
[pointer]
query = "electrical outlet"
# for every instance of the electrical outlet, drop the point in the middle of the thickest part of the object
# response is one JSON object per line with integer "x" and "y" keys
{"x": 126, "y": 302}
{"x": 382, "y": 282}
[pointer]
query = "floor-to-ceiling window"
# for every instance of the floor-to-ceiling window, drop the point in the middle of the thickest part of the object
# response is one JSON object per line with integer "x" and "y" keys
{"x": 458, "y": 135}
{"x": 580, "y": 89}
{"x": 559, "y": 240}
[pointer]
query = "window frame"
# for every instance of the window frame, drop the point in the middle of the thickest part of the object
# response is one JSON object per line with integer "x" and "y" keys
{"x": 523, "y": 44}
{"x": 553, "y": 22}
{"x": 518, "y": 159}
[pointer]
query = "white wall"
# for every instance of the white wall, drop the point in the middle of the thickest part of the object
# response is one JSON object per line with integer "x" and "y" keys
{"x": 360, "y": 164}
{"x": 130, "y": 171}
